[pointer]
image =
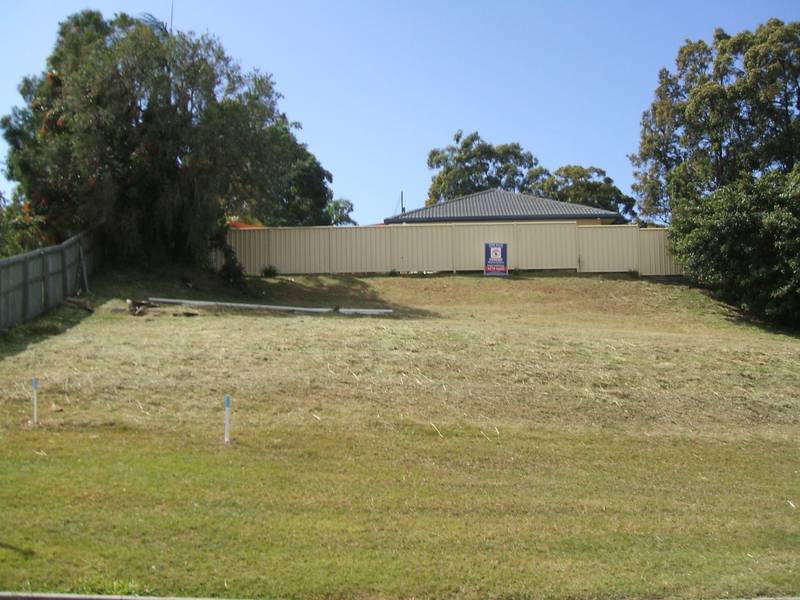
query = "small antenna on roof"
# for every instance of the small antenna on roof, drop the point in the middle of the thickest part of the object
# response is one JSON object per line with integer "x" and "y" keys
{"x": 402, "y": 206}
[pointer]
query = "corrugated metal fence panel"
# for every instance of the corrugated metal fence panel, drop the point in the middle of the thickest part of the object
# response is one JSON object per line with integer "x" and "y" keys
{"x": 422, "y": 248}
{"x": 546, "y": 246}
{"x": 655, "y": 257}
{"x": 283, "y": 247}
{"x": 448, "y": 246}
{"x": 608, "y": 248}
{"x": 251, "y": 248}
{"x": 359, "y": 250}
{"x": 299, "y": 250}
{"x": 468, "y": 244}
{"x": 317, "y": 245}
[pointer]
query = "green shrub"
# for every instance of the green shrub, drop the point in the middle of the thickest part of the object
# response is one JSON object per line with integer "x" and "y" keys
{"x": 231, "y": 270}
{"x": 744, "y": 241}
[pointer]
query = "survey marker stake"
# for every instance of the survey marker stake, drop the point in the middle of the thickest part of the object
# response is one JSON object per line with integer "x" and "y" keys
{"x": 35, "y": 386}
{"x": 227, "y": 419}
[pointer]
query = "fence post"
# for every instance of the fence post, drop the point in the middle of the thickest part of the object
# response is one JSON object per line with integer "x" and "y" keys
{"x": 2, "y": 301}
{"x": 26, "y": 290}
{"x": 64, "y": 280}
{"x": 45, "y": 280}
{"x": 83, "y": 267}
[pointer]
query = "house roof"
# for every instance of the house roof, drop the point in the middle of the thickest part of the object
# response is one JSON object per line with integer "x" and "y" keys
{"x": 233, "y": 224}
{"x": 500, "y": 205}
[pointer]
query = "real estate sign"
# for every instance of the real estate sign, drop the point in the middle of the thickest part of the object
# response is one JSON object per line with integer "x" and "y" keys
{"x": 495, "y": 259}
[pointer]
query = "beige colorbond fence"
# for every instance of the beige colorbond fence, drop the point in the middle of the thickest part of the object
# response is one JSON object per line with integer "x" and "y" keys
{"x": 35, "y": 282}
{"x": 453, "y": 247}
{"x": 655, "y": 257}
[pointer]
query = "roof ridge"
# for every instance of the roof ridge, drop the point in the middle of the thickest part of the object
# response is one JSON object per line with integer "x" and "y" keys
{"x": 491, "y": 198}
{"x": 468, "y": 196}
{"x": 450, "y": 201}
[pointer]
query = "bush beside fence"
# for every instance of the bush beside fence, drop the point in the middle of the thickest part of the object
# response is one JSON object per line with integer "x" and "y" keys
{"x": 38, "y": 281}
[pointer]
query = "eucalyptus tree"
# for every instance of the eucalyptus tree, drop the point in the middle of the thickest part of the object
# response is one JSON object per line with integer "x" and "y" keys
{"x": 728, "y": 109}
{"x": 590, "y": 186}
{"x": 719, "y": 158}
{"x": 472, "y": 165}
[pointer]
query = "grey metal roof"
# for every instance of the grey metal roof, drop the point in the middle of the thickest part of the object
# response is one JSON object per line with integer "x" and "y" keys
{"x": 500, "y": 205}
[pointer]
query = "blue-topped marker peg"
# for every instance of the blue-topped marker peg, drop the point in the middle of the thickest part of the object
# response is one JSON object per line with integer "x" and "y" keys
{"x": 227, "y": 419}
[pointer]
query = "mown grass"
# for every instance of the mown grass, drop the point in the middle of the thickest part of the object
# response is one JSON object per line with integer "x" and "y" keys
{"x": 545, "y": 436}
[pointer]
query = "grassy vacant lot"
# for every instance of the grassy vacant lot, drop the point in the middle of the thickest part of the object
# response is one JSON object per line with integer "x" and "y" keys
{"x": 542, "y": 436}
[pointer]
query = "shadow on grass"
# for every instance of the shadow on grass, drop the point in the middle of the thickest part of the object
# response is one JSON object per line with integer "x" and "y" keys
{"x": 345, "y": 291}
{"x": 25, "y": 552}
{"x": 731, "y": 312}
{"x": 334, "y": 291}
{"x": 61, "y": 319}
{"x": 736, "y": 315}
{"x": 314, "y": 291}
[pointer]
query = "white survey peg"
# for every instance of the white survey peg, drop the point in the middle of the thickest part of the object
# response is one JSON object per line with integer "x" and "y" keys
{"x": 227, "y": 419}
{"x": 35, "y": 386}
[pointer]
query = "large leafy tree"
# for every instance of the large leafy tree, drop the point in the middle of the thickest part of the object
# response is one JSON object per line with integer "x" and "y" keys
{"x": 472, "y": 165}
{"x": 729, "y": 109}
{"x": 586, "y": 185}
{"x": 155, "y": 137}
{"x": 718, "y": 158}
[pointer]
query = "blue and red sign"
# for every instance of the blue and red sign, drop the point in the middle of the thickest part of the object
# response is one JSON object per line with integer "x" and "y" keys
{"x": 495, "y": 259}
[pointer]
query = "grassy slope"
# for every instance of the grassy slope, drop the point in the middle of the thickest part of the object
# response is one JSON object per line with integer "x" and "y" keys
{"x": 599, "y": 437}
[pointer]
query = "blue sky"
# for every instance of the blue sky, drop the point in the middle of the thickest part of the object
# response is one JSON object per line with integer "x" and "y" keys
{"x": 376, "y": 85}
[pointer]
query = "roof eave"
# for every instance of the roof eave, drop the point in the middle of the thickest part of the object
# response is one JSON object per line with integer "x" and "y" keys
{"x": 397, "y": 220}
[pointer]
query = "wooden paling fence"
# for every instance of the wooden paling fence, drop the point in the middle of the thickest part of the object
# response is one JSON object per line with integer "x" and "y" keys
{"x": 37, "y": 281}
{"x": 452, "y": 247}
